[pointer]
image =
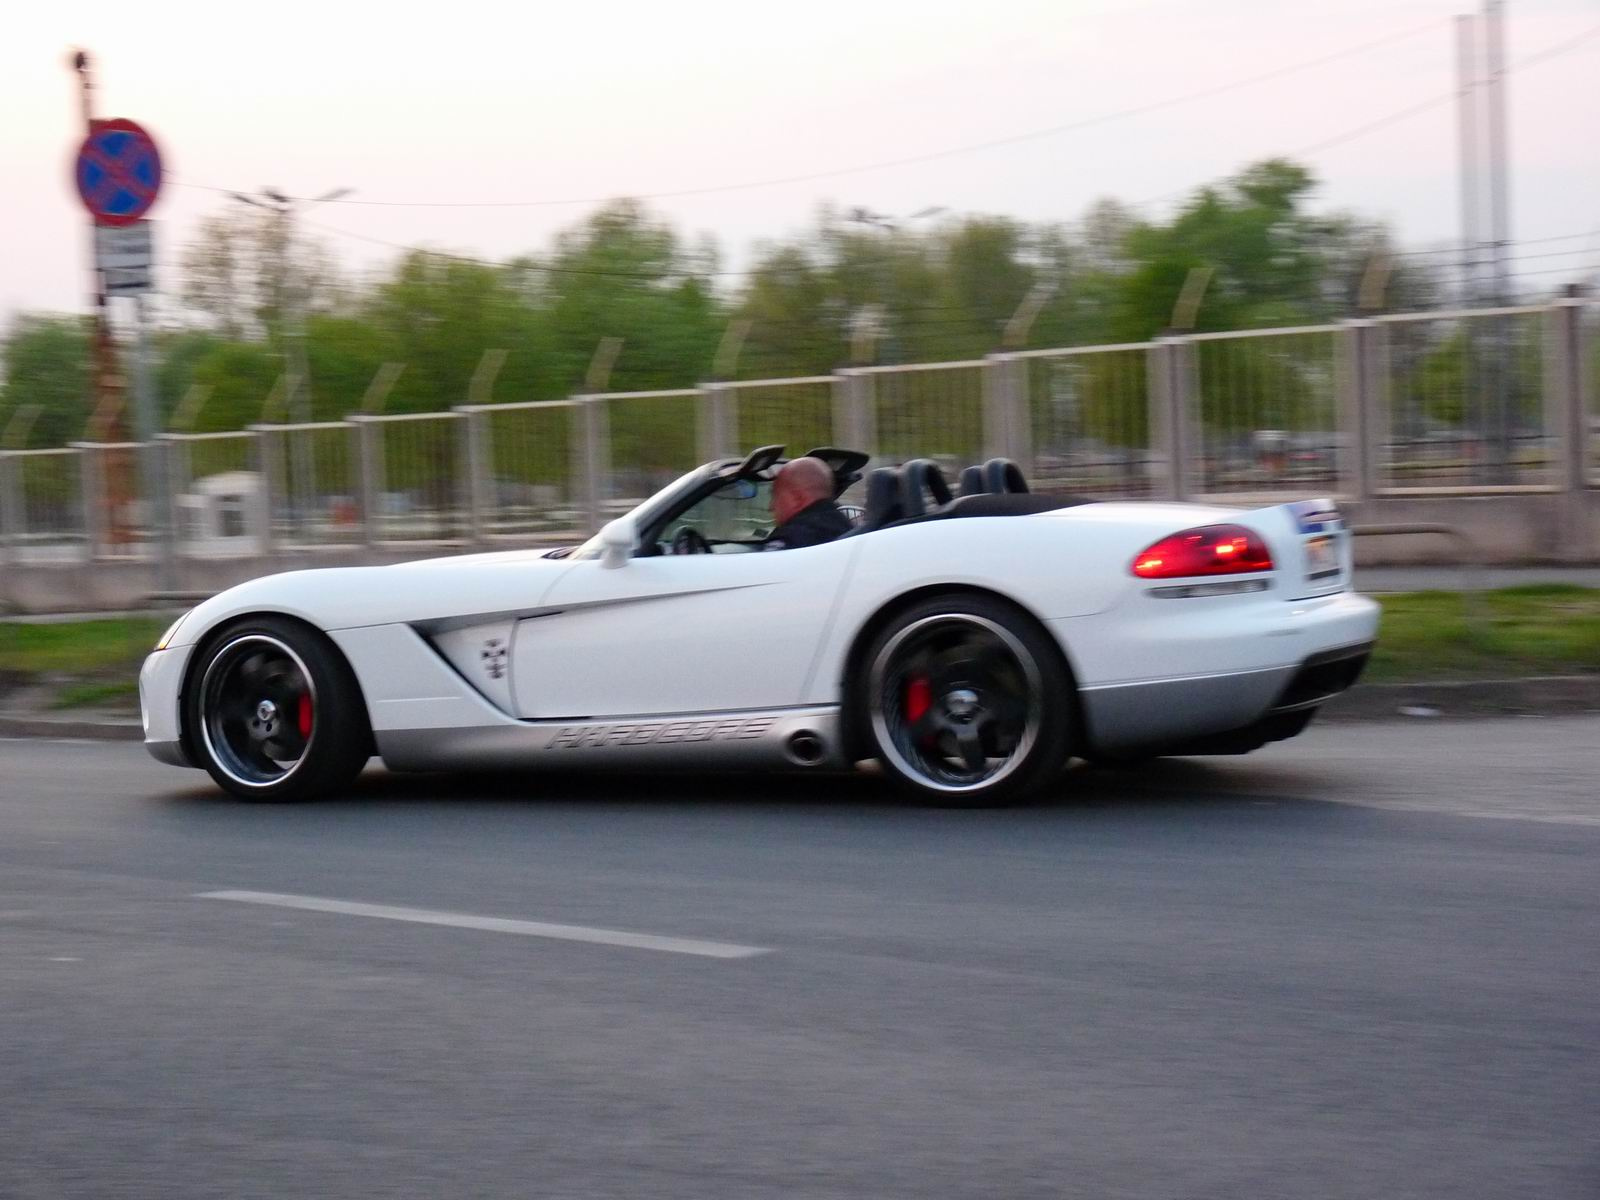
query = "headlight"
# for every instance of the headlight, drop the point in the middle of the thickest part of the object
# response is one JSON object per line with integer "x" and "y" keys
{"x": 172, "y": 632}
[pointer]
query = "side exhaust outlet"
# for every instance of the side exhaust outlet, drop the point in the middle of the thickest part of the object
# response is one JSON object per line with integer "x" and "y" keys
{"x": 805, "y": 748}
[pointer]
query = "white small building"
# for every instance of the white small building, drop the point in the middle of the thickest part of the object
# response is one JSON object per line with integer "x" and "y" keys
{"x": 224, "y": 516}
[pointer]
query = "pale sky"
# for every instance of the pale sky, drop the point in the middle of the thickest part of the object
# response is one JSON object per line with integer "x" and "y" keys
{"x": 495, "y": 102}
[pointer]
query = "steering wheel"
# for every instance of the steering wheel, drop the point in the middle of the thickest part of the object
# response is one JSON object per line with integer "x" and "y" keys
{"x": 690, "y": 541}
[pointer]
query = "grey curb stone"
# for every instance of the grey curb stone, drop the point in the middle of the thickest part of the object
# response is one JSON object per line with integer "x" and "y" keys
{"x": 67, "y": 727}
{"x": 1540, "y": 694}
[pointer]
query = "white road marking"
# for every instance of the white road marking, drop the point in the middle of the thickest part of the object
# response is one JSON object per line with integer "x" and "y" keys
{"x": 426, "y": 916}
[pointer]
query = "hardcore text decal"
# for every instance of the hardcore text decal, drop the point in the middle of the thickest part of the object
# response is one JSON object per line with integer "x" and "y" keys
{"x": 573, "y": 737}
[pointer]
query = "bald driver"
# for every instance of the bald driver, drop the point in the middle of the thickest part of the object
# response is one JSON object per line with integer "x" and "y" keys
{"x": 803, "y": 507}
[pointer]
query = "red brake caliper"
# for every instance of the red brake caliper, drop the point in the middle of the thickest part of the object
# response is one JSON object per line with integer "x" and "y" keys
{"x": 304, "y": 714}
{"x": 919, "y": 698}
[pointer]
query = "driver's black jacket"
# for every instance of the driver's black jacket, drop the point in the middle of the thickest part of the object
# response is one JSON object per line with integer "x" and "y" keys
{"x": 816, "y": 523}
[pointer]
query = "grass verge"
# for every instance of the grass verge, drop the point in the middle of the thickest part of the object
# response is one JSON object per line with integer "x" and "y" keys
{"x": 77, "y": 645}
{"x": 78, "y": 664}
{"x": 1545, "y": 629}
{"x": 1540, "y": 629}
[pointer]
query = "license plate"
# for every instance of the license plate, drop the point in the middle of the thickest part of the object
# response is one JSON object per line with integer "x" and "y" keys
{"x": 1322, "y": 557}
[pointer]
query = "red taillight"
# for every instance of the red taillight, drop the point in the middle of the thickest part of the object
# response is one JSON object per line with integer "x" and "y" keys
{"x": 1209, "y": 550}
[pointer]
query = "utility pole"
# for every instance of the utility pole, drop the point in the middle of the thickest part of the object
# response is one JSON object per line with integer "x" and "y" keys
{"x": 1494, "y": 36}
{"x": 106, "y": 381}
{"x": 1498, "y": 379}
{"x": 1467, "y": 134}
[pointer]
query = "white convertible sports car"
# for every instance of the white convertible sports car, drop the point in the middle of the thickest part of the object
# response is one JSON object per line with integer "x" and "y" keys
{"x": 971, "y": 644}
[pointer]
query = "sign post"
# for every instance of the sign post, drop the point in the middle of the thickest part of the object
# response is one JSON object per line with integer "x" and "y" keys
{"x": 118, "y": 176}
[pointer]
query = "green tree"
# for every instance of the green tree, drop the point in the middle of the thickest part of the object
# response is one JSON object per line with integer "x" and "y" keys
{"x": 46, "y": 363}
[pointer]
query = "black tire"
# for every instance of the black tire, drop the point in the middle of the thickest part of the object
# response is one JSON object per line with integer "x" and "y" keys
{"x": 274, "y": 713}
{"x": 965, "y": 700}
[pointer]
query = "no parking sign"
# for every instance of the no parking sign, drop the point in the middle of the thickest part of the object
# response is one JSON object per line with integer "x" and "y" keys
{"x": 118, "y": 172}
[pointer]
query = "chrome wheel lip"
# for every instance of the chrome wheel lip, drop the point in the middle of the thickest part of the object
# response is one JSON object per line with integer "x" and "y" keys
{"x": 227, "y": 654}
{"x": 880, "y": 725}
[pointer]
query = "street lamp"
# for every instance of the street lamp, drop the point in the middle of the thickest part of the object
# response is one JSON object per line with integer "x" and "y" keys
{"x": 872, "y": 325}
{"x": 288, "y": 303}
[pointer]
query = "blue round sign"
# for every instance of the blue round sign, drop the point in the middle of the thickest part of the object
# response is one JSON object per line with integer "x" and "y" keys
{"x": 118, "y": 172}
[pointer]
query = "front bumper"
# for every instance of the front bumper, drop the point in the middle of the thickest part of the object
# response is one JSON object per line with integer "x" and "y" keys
{"x": 160, "y": 704}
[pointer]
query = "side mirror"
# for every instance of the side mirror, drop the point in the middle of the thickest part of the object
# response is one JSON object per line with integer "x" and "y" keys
{"x": 618, "y": 539}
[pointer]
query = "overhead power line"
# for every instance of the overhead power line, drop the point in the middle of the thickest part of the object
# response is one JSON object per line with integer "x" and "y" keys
{"x": 1395, "y": 117}
{"x": 1137, "y": 110}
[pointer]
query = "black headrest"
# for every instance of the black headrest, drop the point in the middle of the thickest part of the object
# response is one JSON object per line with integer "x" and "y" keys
{"x": 971, "y": 483}
{"x": 883, "y": 498}
{"x": 922, "y": 487}
{"x": 1002, "y": 476}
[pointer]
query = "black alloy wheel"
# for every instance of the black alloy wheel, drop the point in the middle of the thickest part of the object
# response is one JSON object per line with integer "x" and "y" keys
{"x": 275, "y": 713}
{"x": 967, "y": 701}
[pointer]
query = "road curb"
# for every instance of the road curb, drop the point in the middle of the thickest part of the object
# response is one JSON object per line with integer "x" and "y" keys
{"x": 1538, "y": 694}
{"x": 50, "y": 727}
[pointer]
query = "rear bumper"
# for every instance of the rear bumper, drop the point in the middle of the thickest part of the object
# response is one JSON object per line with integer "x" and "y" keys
{"x": 1155, "y": 672}
{"x": 1173, "y": 712}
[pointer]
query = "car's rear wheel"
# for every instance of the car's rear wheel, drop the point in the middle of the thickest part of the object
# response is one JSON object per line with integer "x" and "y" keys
{"x": 274, "y": 712}
{"x": 966, "y": 701}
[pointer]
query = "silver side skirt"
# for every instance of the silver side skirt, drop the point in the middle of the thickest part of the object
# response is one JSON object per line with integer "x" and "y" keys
{"x": 792, "y": 738}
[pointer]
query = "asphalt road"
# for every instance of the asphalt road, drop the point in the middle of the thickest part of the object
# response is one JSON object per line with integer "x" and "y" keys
{"x": 1363, "y": 964}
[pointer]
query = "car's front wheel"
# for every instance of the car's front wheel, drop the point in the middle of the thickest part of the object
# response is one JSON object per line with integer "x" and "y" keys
{"x": 274, "y": 712}
{"x": 966, "y": 701}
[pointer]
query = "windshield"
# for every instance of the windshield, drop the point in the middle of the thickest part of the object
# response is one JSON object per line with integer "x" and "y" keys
{"x": 642, "y": 510}
{"x": 738, "y": 511}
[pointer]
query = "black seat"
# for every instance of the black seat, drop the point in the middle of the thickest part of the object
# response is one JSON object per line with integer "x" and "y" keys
{"x": 922, "y": 487}
{"x": 971, "y": 482}
{"x": 883, "y": 503}
{"x": 1002, "y": 477}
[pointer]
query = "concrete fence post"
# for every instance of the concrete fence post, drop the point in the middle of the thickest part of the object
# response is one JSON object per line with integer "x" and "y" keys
{"x": 1567, "y": 419}
{"x": 999, "y": 424}
{"x": 1007, "y": 430}
{"x": 11, "y": 519}
{"x": 10, "y": 525}
{"x": 1019, "y": 376}
{"x": 1354, "y": 379}
{"x": 268, "y": 455}
{"x": 855, "y": 424}
{"x": 1158, "y": 410}
{"x": 1172, "y": 391}
{"x": 367, "y": 446}
{"x": 1187, "y": 420}
{"x": 168, "y": 458}
{"x": 716, "y": 422}
{"x": 91, "y": 496}
{"x": 592, "y": 459}
{"x": 477, "y": 472}
{"x": 1377, "y": 406}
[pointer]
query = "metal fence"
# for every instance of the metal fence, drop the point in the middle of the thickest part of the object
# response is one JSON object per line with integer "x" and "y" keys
{"x": 929, "y": 410}
{"x": 646, "y": 440}
{"x": 313, "y": 483}
{"x": 1267, "y": 410}
{"x": 1088, "y": 419}
{"x": 42, "y": 506}
{"x": 525, "y": 465}
{"x": 1476, "y": 401}
{"x": 798, "y": 413}
{"x": 1468, "y": 399}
